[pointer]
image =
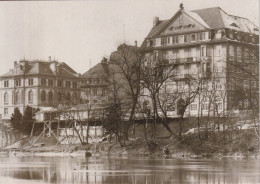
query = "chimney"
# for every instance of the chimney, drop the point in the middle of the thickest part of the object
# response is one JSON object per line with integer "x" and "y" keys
{"x": 135, "y": 43}
{"x": 181, "y": 6}
{"x": 15, "y": 63}
{"x": 155, "y": 21}
{"x": 49, "y": 58}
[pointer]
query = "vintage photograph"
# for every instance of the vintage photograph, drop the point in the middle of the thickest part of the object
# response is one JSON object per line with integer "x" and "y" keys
{"x": 129, "y": 92}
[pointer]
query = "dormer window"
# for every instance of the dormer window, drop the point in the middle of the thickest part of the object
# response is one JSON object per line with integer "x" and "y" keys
{"x": 193, "y": 38}
{"x": 18, "y": 82}
{"x": 6, "y": 83}
{"x": 234, "y": 25}
{"x": 182, "y": 38}
{"x": 168, "y": 40}
{"x": 231, "y": 35}
{"x": 218, "y": 34}
{"x": 175, "y": 39}
{"x": 202, "y": 36}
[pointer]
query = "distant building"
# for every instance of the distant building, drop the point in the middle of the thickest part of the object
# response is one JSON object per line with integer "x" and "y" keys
{"x": 94, "y": 85}
{"x": 37, "y": 84}
{"x": 203, "y": 44}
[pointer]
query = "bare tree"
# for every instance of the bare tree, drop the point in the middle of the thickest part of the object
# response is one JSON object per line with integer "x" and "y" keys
{"x": 155, "y": 72}
{"x": 127, "y": 62}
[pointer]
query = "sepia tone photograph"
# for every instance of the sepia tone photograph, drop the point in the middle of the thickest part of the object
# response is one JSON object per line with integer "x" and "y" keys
{"x": 129, "y": 92}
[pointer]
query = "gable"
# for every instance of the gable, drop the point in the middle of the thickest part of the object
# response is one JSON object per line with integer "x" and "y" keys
{"x": 183, "y": 22}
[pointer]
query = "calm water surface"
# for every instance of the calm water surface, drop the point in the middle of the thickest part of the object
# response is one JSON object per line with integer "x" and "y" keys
{"x": 41, "y": 170}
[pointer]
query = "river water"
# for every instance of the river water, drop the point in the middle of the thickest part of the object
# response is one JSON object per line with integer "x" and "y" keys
{"x": 94, "y": 170}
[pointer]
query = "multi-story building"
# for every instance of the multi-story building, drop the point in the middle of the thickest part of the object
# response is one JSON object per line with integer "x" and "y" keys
{"x": 37, "y": 84}
{"x": 94, "y": 85}
{"x": 218, "y": 50}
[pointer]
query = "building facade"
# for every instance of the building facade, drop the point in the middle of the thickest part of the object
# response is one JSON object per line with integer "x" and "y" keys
{"x": 213, "y": 53}
{"x": 37, "y": 84}
{"x": 94, "y": 85}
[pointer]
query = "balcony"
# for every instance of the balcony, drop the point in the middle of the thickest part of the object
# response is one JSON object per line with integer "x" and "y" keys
{"x": 188, "y": 60}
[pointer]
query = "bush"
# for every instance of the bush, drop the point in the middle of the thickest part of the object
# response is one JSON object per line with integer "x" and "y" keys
{"x": 16, "y": 119}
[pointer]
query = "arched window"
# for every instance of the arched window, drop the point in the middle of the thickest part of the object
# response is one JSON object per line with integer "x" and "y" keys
{"x": 50, "y": 96}
{"x": 68, "y": 96}
{"x": 145, "y": 105}
{"x": 18, "y": 97}
{"x": 74, "y": 97}
{"x": 43, "y": 96}
{"x": 30, "y": 97}
{"x": 6, "y": 98}
{"x": 59, "y": 96}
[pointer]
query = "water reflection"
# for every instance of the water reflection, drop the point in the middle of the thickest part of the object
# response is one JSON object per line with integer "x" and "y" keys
{"x": 128, "y": 171}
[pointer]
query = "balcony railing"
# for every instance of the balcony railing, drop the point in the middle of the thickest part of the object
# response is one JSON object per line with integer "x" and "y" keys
{"x": 188, "y": 60}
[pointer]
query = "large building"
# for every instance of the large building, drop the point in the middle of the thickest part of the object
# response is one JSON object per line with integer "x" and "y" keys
{"x": 94, "y": 85}
{"x": 37, "y": 84}
{"x": 218, "y": 50}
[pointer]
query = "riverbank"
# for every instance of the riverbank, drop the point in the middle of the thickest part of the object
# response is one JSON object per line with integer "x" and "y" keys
{"x": 229, "y": 144}
{"x": 164, "y": 148}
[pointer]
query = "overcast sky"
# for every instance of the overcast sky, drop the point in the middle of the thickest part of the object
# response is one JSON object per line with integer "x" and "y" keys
{"x": 76, "y": 32}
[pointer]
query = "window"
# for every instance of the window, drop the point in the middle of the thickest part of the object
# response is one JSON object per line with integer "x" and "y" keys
{"x": 205, "y": 106}
{"x": 163, "y": 41}
{"x": 158, "y": 41}
{"x": 6, "y": 98}
{"x": 68, "y": 96}
{"x": 246, "y": 55}
{"x": 239, "y": 54}
{"x": 175, "y": 39}
{"x": 5, "y": 111}
{"x": 6, "y": 83}
{"x": 43, "y": 96}
{"x": 74, "y": 84}
{"x": 30, "y": 97}
{"x": 193, "y": 107}
{"x": 181, "y": 38}
{"x": 168, "y": 40}
{"x": 74, "y": 97}
{"x": 218, "y": 34}
{"x": 94, "y": 91}
{"x": 181, "y": 53}
{"x": 50, "y": 82}
{"x": 67, "y": 84}
{"x": 231, "y": 51}
{"x": 59, "y": 83}
{"x": 185, "y": 38}
{"x": 30, "y": 82}
{"x": 202, "y": 36}
{"x": 98, "y": 81}
{"x": 43, "y": 82}
{"x": 193, "y": 37}
{"x": 18, "y": 82}
{"x": 59, "y": 96}
{"x": 18, "y": 97}
{"x": 203, "y": 51}
{"x": 103, "y": 91}
{"x": 50, "y": 96}
{"x": 219, "y": 106}
{"x": 193, "y": 52}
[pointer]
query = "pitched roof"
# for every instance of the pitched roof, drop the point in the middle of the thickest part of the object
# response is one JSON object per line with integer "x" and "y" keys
{"x": 41, "y": 67}
{"x": 157, "y": 28}
{"x": 96, "y": 71}
{"x": 213, "y": 18}
{"x": 197, "y": 18}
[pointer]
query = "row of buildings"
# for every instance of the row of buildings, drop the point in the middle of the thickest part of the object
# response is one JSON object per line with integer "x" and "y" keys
{"x": 208, "y": 45}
